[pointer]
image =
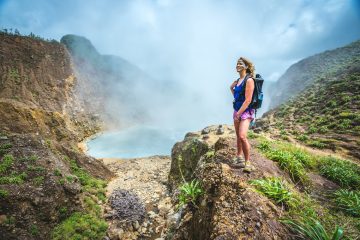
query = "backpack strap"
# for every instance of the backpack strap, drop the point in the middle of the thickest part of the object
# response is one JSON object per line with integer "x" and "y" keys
{"x": 246, "y": 78}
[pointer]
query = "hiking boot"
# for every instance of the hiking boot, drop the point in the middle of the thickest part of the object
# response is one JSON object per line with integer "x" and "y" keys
{"x": 238, "y": 162}
{"x": 238, "y": 159}
{"x": 248, "y": 167}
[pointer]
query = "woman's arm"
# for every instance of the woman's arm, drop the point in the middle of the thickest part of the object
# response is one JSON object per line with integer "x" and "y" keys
{"x": 248, "y": 96}
{"x": 232, "y": 87}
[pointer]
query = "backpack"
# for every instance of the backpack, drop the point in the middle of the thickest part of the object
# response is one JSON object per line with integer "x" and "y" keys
{"x": 258, "y": 95}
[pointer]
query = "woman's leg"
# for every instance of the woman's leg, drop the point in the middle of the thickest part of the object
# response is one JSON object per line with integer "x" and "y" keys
{"x": 243, "y": 129}
{"x": 238, "y": 141}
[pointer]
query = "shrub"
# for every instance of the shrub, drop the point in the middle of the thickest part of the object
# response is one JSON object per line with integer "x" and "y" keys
{"x": 302, "y": 137}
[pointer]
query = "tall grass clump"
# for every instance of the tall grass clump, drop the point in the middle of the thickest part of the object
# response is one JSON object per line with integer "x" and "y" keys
{"x": 277, "y": 190}
{"x": 343, "y": 172}
{"x": 348, "y": 201}
{"x": 310, "y": 228}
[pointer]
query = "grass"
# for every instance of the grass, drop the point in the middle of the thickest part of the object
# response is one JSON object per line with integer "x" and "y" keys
{"x": 6, "y": 163}
{"x": 287, "y": 161}
{"x": 13, "y": 178}
{"x": 4, "y": 148}
{"x": 189, "y": 192}
{"x": 310, "y": 228}
{"x": 343, "y": 172}
{"x": 275, "y": 189}
{"x": 80, "y": 226}
{"x": 348, "y": 201}
{"x": 38, "y": 180}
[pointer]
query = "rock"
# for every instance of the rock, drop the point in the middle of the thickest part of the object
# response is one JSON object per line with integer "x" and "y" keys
{"x": 120, "y": 233}
{"x": 205, "y": 131}
{"x": 205, "y": 136}
{"x": 136, "y": 225}
{"x": 219, "y": 131}
{"x": 258, "y": 224}
{"x": 2, "y": 219}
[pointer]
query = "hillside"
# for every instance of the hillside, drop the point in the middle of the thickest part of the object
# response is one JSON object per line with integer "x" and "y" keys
{"x": 326, "y": 115}
{"x": 45, "y": 180}
{"x": 303, "y": 73}
{"x": 289, "y": 187}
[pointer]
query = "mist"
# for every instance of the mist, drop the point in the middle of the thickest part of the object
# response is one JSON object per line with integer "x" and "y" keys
{"x": 188, "y": 49}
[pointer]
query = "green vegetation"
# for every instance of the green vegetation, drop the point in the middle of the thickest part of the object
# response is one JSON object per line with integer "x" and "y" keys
{"x": 80, "y": 226}
{"x": 3, "y": 193}
{"x": 6, "y": 163}
{"x": 13, "y": 178}
{"x": 328, "y": 108}
{"x": 275, "y": 189}
{"x": 291, "y": 161}
{"x": 4, "y": 148}
{"x": 38, "y": 180}
{"x": 34, "y": 230}
{"x": 15, "y": 32}
{"x": 310, "y": 228}
{"x": 343, "y": 172}
{"x": 348, "y": 201}
{"x": 57, "y": 172}
{"x": 88, "y": 224}
{"x": 303, "y": 211}
{"x": 189, "y": 192}
{"x": 89, "y": 183}
{"x": 14, "y": 74}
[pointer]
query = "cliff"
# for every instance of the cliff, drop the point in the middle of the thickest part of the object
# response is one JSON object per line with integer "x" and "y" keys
{"x": 44, "y": 178}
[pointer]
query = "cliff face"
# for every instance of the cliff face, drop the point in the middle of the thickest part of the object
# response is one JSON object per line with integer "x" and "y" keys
{"x": 302, "y": 74}
{"x": 41, "y": 122}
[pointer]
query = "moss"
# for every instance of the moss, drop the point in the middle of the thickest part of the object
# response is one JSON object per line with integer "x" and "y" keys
{"x": 80, "y": 226}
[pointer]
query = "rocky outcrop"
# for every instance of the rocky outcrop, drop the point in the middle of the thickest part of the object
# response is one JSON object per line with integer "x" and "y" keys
{"x": 229, "y": 208}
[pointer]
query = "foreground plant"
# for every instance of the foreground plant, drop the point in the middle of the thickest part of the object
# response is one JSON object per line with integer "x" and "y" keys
{"x": 276, "y": 189}
{"x": 348, "y": 201}
{"x": 310, "y": 228}
{"x": 189, "y": 192}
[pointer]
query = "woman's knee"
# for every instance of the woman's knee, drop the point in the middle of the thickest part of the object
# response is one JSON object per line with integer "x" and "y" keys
{"x": 242, "y": 137}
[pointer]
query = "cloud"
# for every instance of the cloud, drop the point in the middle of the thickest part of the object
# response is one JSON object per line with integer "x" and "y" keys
{"x": 196, "y": 43}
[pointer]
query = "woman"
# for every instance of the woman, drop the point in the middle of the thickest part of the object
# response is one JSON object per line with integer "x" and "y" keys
{"x": 243, "y": 113}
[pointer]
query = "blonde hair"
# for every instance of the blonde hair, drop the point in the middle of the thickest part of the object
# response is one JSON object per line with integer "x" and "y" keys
{"x": 250, "y": 66}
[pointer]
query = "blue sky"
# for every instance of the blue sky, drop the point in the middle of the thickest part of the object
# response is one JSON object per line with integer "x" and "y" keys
{"x": 195, "y": 42}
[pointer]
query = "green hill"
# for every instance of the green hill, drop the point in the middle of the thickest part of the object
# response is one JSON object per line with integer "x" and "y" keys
{"x": 326, "y": 114}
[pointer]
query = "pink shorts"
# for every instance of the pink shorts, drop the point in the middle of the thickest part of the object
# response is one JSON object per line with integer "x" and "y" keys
{"x": 245, "y": 115}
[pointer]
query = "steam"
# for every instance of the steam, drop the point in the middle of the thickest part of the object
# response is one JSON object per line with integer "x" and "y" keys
{"x": 188, "y": 49}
